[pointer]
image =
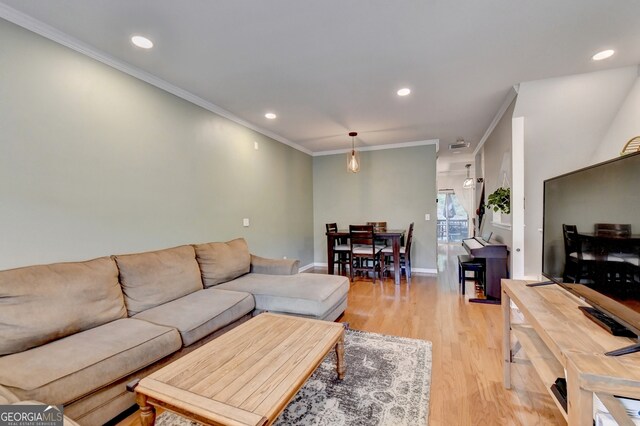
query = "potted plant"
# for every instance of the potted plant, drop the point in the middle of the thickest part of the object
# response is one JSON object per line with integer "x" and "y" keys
{"x": 499, "y": 200}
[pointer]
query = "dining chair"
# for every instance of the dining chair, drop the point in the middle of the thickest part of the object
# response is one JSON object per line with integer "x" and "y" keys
{"x": 365, "y": 254}
{"x": 577, "y": 262}
{"x": 379, "y": 227}
{"x": 405, "y": 253}
{"x": 341, "y": 250}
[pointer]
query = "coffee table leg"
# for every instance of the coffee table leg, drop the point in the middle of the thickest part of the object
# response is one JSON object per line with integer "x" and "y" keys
{"x": 147, "y": 411}
{"x": 340, "y": 357}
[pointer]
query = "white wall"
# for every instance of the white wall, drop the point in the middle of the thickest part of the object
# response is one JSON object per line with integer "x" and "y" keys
{"x": 95, "y": 162}
{"x": 566, "y": 120}
{"x": 626, "y": 125}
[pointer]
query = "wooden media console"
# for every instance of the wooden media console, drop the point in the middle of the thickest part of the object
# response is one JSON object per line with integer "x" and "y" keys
{"x": 560, "y": 341}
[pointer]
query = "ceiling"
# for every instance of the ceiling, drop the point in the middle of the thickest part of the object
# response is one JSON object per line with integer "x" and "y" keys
{"x": 333, "y": 66}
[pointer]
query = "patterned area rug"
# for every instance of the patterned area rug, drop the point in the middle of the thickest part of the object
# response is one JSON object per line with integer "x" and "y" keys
{"x": 387, "y": 383}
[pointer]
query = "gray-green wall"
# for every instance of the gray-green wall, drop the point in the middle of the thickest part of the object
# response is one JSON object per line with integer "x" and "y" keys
{"x": 395, "y": 185}
{"x": 95, "y": 162}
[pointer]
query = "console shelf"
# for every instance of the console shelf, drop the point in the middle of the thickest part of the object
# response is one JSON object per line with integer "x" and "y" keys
{"x": 544, "y": 363}
{"x": 561, "y": 342}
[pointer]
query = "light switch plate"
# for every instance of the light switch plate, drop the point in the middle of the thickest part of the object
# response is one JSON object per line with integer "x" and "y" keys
{"x": 245, "y": 221}
{"x": 427, "y": 216}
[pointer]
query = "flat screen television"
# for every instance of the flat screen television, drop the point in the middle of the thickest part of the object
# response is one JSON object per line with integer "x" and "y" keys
{"x": 591, "y": 237}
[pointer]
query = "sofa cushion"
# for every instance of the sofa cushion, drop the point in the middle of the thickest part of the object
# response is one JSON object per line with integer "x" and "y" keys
{"x": 201, "y": 313}
{"x": 42, "y": 303}
{"x": 153, "y": 278}
{"x": 64, "y": 370}
{"x": 222, "y": 262}
{"x": 301, "y": 294}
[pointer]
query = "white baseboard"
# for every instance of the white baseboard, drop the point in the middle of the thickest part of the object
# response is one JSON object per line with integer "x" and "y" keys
{"x": 429, "y": 271}
{"x": 306, "y": 267}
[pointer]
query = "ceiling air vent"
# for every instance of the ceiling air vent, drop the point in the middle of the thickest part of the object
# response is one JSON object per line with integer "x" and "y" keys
{"x": 460, "y": 143}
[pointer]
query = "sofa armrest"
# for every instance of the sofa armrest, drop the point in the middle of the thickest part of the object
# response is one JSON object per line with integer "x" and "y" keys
{"x": 262, "y": 265}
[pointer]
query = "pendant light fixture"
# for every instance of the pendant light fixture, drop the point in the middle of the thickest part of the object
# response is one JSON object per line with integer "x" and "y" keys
{"x": 468, "y": 182}
{"x": 353, "y": 159}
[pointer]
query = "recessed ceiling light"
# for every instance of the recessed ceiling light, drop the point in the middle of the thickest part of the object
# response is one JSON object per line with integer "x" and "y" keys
{"x": 270, "y": 115}
{"x": 404, "y": 92}
{"x": 142, "y": 42}
{"x": 603, "y": 55}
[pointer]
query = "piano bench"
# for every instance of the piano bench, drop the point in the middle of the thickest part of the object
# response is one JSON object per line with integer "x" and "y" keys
{"x": 475, "y": 265}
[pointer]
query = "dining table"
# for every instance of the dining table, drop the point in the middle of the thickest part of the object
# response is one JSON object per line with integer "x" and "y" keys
{"x": 605, "y": 244}
{"x": 393, "y": 236}
{"x": 619, "y": 252}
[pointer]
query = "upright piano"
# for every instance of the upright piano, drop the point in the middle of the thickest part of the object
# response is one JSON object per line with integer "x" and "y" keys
{"x": 496, "y": 255}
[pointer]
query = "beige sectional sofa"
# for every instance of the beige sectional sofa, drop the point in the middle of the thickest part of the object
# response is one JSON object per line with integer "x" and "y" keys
{"x": 76, "y": 333}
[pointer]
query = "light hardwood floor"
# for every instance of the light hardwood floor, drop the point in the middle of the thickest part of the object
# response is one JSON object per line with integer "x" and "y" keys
{"x": 467, "y": 353}
{"x": 466, "y": 384}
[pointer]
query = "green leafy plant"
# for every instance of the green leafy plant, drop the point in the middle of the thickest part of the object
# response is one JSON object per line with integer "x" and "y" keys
{"x": 500, "y": 200}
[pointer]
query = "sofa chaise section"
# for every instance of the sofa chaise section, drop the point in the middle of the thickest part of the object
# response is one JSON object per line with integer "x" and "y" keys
{"x": 275, "y": 285}
{"x": 311, "y": 295}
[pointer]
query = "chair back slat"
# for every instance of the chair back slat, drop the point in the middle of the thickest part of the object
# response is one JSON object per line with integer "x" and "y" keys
{"x": 364, "y": 250}
{"x": 332, "y": 227}
{"x": 361, "y": 235}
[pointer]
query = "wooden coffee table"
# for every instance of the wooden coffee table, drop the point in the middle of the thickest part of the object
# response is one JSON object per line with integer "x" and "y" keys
{"x": 246, "y": 376}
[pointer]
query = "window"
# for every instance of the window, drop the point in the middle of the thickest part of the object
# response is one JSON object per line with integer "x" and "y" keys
{"x": 453, "y": 220}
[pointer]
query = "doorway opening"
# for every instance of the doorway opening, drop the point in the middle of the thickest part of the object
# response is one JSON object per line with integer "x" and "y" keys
{"x": 453, "y": 219}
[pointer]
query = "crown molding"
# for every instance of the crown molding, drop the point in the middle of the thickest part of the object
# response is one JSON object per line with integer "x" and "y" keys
{"x": 47, "y": 31}
{"x": 435, "y": 142}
